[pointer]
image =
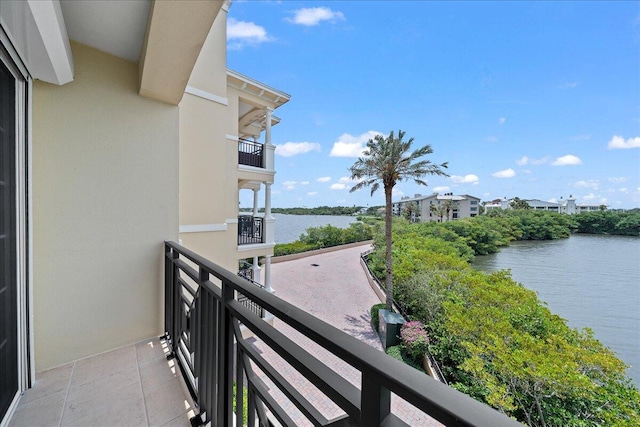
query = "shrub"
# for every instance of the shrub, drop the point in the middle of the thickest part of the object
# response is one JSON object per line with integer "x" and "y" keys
{"x": 398, "y": 353}
{"x": 374, "y": 314}
{"x": 414, "y": 339}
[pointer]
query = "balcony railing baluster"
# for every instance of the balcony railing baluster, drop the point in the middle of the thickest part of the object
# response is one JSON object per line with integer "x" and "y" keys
{"x": 218, "y": 317}
{"x": 250, "y": 230}
{"x": 250, "y": 153}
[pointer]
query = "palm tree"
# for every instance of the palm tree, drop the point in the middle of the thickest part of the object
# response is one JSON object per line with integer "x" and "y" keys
{"x": 386, "y": 161}
{"x": 448, "y": 206}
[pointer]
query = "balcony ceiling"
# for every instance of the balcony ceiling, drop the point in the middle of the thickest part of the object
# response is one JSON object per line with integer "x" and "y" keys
{"x": 115, "y": 27}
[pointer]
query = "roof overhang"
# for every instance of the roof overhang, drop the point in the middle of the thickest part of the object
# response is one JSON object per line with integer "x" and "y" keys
{"x": 38, "y": 32}
{"x": 176, "y": 32}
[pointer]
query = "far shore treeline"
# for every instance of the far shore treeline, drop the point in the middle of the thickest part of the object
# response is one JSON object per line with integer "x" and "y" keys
{"x": 494, "y": 339}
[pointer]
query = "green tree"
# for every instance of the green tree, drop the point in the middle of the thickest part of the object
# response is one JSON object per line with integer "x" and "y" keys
{"x": 410, "y": 211}
{"x": 518, "y": 203}
{"x": 386, "y": 161}
{"x": 448, "y": 206}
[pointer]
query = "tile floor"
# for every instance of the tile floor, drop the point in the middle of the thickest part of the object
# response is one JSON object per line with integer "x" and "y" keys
{"x": 130, "y": 386}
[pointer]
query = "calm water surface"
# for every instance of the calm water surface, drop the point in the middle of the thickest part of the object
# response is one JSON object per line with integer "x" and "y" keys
{"x": 592, "y": 281}
{"x": 290, "y": 227}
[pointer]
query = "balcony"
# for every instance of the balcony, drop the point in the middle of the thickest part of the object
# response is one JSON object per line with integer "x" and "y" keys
{"x": 250, "y": 230}
{"x": 250, "y": 153}
{"x": 203, "y": 320}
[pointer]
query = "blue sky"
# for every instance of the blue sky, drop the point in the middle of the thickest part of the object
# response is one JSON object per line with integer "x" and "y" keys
{"x": 528, "y": 99}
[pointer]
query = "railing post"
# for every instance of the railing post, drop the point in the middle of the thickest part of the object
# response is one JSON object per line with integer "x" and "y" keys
{"x": 225, "y": 358}
{"x": 376, "y": 401}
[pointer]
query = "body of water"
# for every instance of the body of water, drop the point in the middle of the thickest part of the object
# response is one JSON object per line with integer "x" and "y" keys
{"x": 589, "y": 280}
{"x": 290, "y": 227}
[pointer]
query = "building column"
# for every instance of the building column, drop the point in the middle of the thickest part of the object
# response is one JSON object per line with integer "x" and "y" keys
{"x": 256, "y": 270}
{"x": 267, "y": 200}
{"x": 267, "y": 274}
{"x": 255, "y": 202}
{"x": 267, "y": 127}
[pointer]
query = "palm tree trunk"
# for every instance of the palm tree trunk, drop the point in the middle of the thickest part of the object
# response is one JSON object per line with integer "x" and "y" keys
{"x": 387, "y": 238}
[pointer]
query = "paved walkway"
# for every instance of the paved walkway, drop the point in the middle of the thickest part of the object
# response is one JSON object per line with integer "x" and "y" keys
{"x": 334, "y": 288}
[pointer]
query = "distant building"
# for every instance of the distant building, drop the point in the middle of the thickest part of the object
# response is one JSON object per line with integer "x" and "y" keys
{"x": 432, "y": 208}
{"x": 565, "y": 206}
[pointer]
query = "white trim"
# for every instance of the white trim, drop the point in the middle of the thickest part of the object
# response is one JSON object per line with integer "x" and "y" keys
{"x": 201, "y": 228}
{"x": 255, "y": 169}
{"x": 245, "y": 248}
{"x": 232, "y": 137}
{"x": 206, "y": 95}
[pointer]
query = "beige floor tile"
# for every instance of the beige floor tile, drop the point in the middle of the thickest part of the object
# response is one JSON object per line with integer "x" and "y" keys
{"x": 181, "y": 421}
{"x": 168, "y": 401}
{"x": 45, "y": 411}
{"x": 114, "y": 400}
{"x": 49, "y": 382}
{"x": 92, "y": 368}
{"x": 151, "y": 349}
{"x": 158, "y": 371}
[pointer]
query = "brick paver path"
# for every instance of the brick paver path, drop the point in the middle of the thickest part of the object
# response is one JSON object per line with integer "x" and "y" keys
{"x": 334, "y": 288}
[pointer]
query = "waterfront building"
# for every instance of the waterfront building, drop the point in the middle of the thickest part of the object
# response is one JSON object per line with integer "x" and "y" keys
{"x": 564, "y": 206}
{"x": 421, "y": 208}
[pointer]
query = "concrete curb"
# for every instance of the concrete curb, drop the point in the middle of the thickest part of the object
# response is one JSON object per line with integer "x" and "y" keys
{"x": 292, "y": 257}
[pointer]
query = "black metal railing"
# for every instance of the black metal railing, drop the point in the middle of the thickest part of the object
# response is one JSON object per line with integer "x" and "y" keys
{"x": 250, "y": 153}
{"x": 250, "y": 230}
{"x": 203, "y": 319}
{"x": 246, "y": 272}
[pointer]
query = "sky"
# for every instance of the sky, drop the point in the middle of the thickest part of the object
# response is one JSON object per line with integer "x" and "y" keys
{"x": 538, "y": 100}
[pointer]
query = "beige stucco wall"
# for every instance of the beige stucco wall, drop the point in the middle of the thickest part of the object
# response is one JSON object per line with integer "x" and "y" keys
{"x": 105, "y": 197}
{"x": 208, "y": 175}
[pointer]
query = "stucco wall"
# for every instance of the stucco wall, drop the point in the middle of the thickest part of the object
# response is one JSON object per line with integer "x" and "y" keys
{"x": 105, "y": 197}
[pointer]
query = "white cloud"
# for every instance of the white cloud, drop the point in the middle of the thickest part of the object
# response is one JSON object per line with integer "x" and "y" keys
{"x": 338, "y": 186}
{"x": 502, "y": 120}
{"x": 304, "y": 182}
{"x": 506, "y": 173}
{"x": 529, "y": 161}
{"x": 568, "y": 160}
{"x": 618, "y": 142}
{"x": 289, "y": 185}
{"x": 348, "y": 145}
{"x": 589, "y": 196}
{"x": 592, "y": 183}
{"x": 467, "y": 179}
{"x": 241, "y": 33}
{"x": 397, "y": 192}
{"x": 310, "y": 16}
{"x": 624, "y": 190}
{"x": 348, "y": 180}
{"x": 491, "y": 138}
{"x": 442, "y": 189}
{"x": 324, "y": 179}
{"x": 289, "y": 149}
{"x": 618, "y": 179}
{"x": 312, "y": 193}
{"x": 552, "y": 200}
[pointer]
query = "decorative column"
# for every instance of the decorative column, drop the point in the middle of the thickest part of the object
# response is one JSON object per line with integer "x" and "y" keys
{"x": 267, "y": 274}
{"x": 267, "y": 199}
{"x": 269, "y": 152}
{"x": 255, "y": 201}
{"x": 256, "y": 270}
{"x": 269, "y": 219}
{"x": 267, "y": 127}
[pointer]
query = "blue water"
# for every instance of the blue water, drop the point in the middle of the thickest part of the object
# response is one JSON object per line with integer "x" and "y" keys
{"x": 290, "y": 227}
{"x": 591, "y": 281}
